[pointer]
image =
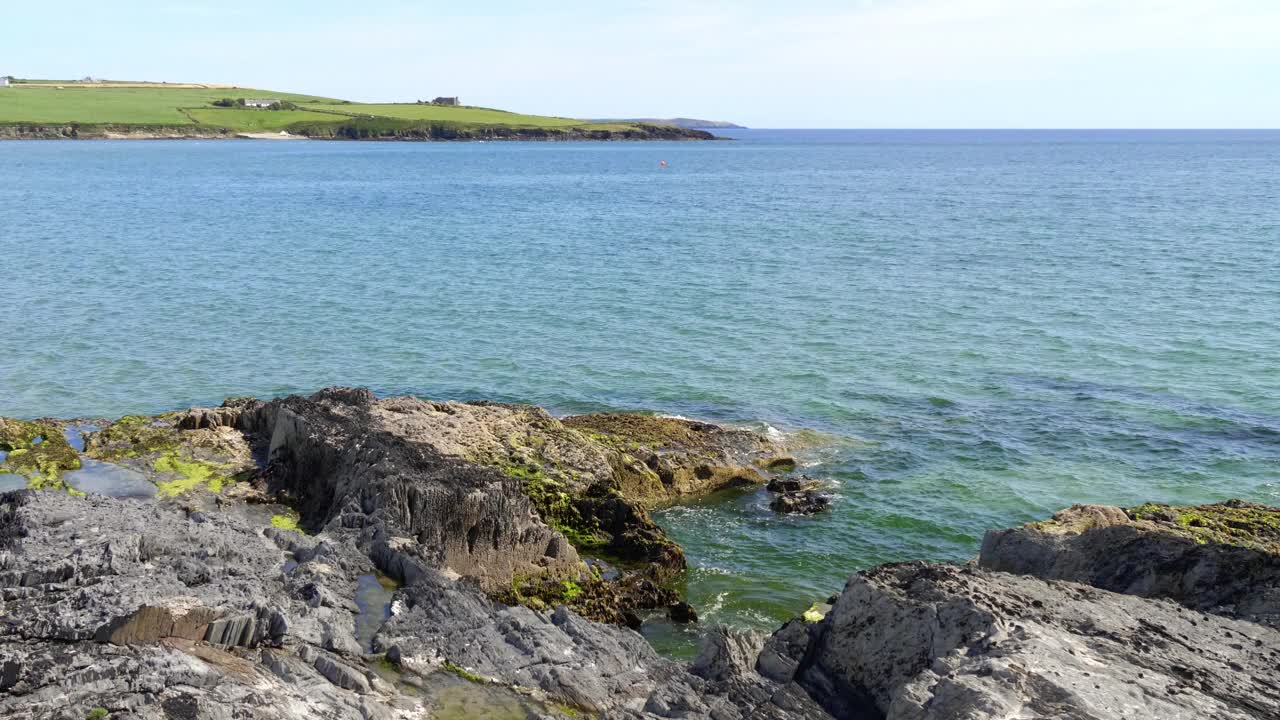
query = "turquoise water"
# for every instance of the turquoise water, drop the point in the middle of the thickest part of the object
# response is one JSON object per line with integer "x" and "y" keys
{"x": 966, "y": 329}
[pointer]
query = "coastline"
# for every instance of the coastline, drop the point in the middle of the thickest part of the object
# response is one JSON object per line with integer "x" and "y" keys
{"x": 387, "y": 131}
{"x": 263, "y": 519}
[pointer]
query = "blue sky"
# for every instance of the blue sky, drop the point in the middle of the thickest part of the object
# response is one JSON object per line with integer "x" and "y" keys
{"x": 804, "y": 63}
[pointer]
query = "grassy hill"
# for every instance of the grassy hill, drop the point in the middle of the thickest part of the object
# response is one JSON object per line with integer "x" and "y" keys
{"x": 124, "y": 108}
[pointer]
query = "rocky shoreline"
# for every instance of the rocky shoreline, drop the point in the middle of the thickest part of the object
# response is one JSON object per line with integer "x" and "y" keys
{"x": 355, "y": 129}
{"x": 343, "y": 556}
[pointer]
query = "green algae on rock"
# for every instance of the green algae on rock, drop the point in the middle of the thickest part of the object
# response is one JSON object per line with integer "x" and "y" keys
{"x": 1234, "y": 522}
{"x": 285, "y": 522}
{"x": 38, "y": 451}
{"x": 590, "y": 478}
{"x": 615, "y": 601}
{"x": 463, "y": 673}
{"x": 660, "y": 458}
{"x": 193, "y": 474}
{"x": 178, "y": 459}
{"x": 1222, "y": 558}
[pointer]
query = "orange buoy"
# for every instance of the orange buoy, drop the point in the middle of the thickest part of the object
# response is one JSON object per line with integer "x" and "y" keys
{"x": 664, "y": 163}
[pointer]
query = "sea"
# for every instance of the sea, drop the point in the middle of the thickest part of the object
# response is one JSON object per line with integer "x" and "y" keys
{"x": 955, "y": 330}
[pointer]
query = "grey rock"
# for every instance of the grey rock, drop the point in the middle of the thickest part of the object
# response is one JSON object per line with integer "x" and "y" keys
{"x": 344, "y": 676}
{"x": 782, "y": 653}
{"x": 924, "y": 641}
{"x": 724, "y": 654}
{"x": 197, "y": 608}
{"x": 351, "y": 461}
{"x": 156, "y": 608}
{"x": 599, "y": 668}
{"x": 1222, "y": 559}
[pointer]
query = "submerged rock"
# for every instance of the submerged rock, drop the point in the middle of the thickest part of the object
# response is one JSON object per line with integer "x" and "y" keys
{"x": 788, "y": 484}
{"x": 801, "y": 502}
{"x": 682, "y": 612}
{"x": 36, "y": 451}
{"x": 101, "y": 478}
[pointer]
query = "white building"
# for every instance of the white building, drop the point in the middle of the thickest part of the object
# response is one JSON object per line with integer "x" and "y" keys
{"x": 260, "y": 103}
{"x": 4, "y": 81}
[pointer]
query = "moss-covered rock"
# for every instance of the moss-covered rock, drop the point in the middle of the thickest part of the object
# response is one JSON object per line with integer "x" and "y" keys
{"x": 655, "y": 458}
{"x": 1222, "y": 558}
{"x": 191, "y": 475}
{"x": 133, "y": 436}
{"x": 178, "y": 460}
{"x": 38, "y": 451}
{"x": 592, "y": 478}
{"x": 285, "y": 522}
{"x": 1234, "y": 522}
{"x": 618, "y": 602}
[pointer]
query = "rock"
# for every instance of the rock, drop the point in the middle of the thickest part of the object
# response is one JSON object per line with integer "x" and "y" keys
{"x": 150, "y": 624}
{"x": 161, "y": 608}
{"x": 781, "y": 463}
{"x": 780, "y": 657}
{"x": 682, "y": 612}
{"x": 793, "y": 483}
{"x": 685, "y": 457}
{"x": 597, "y": 668}
{"x": 99, "y": 610}
{"x": 802, "y": 502}
{"x": 1223, "y": 559}
{"x": 205, "y": 606}
{"x": 37, "y": 451}
{"x": 344, "y": 676}
{"x": 496, "y": 492}
{"x": 786, "y": 484}
{"x": 724, "y": 654}
{"x": 348, "y": 460}
{"x": 925, "y": 641}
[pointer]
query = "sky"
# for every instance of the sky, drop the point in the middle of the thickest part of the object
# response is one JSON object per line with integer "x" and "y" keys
{"x": 796, "y": 64}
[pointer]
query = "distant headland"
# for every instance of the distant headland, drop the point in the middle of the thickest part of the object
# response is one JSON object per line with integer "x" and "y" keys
{"x": 688, "y": 123}
{"x": 91, "y": 108}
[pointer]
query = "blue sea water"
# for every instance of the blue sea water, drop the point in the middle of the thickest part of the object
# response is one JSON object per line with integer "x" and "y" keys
{"x": 963, "y": 330}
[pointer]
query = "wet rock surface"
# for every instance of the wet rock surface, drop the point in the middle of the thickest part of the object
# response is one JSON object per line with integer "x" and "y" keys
{"x": 789, "y": 483}
{"x": 797, "y": 495}
{"x": 800, "y": 502}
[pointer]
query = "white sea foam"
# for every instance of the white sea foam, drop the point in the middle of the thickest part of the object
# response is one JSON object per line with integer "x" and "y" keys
{"x": 716, "y": 605}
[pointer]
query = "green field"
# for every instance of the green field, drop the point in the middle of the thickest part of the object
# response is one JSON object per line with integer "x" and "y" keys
{"x": 157, "y": 105}
{"x": 478, "y": 116}
{"x": 117, "y": 105}
{"x": 248, "y": 120}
